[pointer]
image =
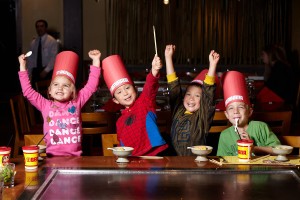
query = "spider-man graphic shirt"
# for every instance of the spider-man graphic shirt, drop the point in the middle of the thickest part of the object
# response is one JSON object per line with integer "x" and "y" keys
{"x": 137, "y": 126}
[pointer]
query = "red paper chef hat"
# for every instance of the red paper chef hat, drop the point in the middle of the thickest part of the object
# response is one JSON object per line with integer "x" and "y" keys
{"x": 201, "y": 77}
{"x": 235, "y": 88}
{"x": 115, "y": 73}
{"x": 66, "y": 64}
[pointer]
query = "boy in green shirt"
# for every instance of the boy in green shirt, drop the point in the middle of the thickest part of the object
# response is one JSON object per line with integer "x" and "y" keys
{"x": 238, "y": 111}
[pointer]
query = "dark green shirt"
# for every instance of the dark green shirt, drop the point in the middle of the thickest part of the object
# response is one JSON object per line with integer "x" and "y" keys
{"x": 190, "y": 129}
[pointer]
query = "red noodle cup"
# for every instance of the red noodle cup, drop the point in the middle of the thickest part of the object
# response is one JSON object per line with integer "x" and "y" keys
{"x": 31, "y": 155}
{"x": 4, "y": 155}
{"x": 244, "y": 150}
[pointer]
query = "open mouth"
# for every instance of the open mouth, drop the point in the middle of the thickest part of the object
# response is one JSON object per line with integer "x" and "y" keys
{"x": 128, "y": 99}
{"x": 190, "y": 104}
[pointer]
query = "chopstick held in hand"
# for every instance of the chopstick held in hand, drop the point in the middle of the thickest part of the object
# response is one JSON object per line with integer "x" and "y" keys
{"x": 155, "y": 40}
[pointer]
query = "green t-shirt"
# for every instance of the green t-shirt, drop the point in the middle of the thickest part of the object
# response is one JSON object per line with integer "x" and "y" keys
{"x": 257, "y": 130}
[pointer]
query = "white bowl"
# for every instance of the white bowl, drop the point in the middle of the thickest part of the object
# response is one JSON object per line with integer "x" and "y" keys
{"x": 282, "y": 151}
{"x": 122, "y": 153}
{"x": 42, "y": 148}
{"x": 201, "y": 151}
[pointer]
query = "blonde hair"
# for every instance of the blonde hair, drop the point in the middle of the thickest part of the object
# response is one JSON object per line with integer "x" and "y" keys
{"x": 73, "y": 88}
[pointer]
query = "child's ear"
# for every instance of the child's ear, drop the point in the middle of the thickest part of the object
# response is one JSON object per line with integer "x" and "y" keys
{"x": 226, "y": 114}
{"x": 115, "y": 100}
{"x": 250, "y": 112}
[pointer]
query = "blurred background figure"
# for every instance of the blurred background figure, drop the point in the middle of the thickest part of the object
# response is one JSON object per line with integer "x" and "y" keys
{"x": 278, "y": 75}
{"x": 44, "y": 50}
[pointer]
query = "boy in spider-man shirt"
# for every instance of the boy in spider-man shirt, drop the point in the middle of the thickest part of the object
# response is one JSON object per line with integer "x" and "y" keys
{"x": 136, "y": 127}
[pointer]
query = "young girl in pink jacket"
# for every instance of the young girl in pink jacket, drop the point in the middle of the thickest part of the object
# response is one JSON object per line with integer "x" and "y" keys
{"x": 62, "y": 111}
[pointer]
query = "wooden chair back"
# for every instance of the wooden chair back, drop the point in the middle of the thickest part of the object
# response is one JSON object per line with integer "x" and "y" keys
{"x": 98, "y": 122}
{"x": 109, "y": 140}
{"x": 94, "y": 125}
{"x": 32, "y": 113}
{"x": 20, "y": 121}
{"x": 220, "y": 122}
{"x": 291, "y": 140}
{"x": 278, "y": 121}
{"x": 33, "y": 139}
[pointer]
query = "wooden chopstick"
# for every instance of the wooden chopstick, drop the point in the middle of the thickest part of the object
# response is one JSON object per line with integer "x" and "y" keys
{"x": 154, "y": 34}
{"x": 216, "y": 162}
{"x": 151, "y": 157}
{"x": 262, "y": 157}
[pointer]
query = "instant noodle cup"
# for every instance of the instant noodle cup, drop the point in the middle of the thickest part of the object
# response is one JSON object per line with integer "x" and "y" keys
{"x": 244, "y": 150}
{"x": 31, "y": 155}
{"x": 4, "y": 155}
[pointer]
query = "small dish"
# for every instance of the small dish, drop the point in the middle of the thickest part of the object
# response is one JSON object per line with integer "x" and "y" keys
{"x": 122, "y": 153}
{"x": 201, "y": 151}
{"x": 42, "y": 148}
{"x": 282, "y": 151}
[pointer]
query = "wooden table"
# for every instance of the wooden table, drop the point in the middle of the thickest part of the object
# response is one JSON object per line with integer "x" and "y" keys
{"x": 183, "y": 166}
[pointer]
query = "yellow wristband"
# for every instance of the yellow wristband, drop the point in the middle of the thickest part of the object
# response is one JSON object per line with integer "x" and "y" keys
{"x": 172, "y": 77}
{"x": 210, "y": 80}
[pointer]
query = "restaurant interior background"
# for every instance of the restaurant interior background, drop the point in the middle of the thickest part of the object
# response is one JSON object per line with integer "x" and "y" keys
{"x": 237, "y": 29}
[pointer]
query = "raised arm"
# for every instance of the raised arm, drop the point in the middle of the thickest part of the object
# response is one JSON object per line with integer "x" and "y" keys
{"x": 93, "y": 81}
{"x": 169, "y": 51}
{"x": 22, "y": 61}
{"x": 95, "y": 56}
{"x": 156, "y": 66}
{"x": 213, "y": 61}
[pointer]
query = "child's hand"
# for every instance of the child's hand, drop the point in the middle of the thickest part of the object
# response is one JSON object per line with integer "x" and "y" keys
{"x": 22, "y": 61}
{"x": 156, "y": 65}
{"x": 169, "y": 51}
{"x": 95, "y": 56}
{"x": 214, "y": 57}
{"x": 244, "y": 135}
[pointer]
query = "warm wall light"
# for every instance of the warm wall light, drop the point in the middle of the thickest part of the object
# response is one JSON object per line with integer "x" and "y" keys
{"x": 166, "y": 2}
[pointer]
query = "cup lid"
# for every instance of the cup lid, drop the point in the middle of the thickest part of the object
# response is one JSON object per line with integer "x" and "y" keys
{"x": 30, "y": 147}
{"x": 3, "y": 148}
{"x": 245, "y": 141}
